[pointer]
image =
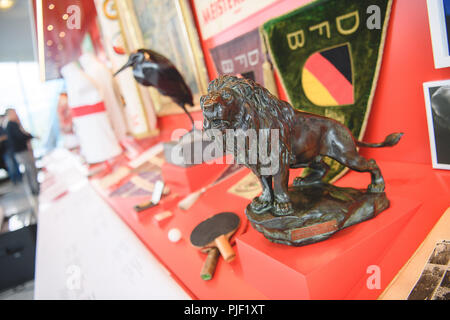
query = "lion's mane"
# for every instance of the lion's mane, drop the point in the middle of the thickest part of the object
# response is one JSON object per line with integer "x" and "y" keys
{"x": 266, "y": 111}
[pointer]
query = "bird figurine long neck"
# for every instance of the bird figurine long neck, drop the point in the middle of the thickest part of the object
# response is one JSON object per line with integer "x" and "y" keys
{"x": 153, "y": 69}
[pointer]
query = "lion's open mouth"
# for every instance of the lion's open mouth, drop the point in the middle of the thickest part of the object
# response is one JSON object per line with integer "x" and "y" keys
{"x": 217, "y": 123}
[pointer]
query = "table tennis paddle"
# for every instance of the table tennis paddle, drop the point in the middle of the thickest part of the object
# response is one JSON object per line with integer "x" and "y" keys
{"x": 210, "y": 264}
{"x": 212, "y": 235}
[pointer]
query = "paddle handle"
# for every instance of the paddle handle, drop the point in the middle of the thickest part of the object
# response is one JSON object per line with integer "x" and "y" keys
{"x": 189, "y": 201}
{"x": 210, "y": 264}
{"x": 225, "y": 248}
{"x": 144, "y": 206}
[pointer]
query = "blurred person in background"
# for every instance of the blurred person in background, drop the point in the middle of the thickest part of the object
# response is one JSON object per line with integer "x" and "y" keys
{"x": 19, "y": 141}
{"x": 7, "y": 154}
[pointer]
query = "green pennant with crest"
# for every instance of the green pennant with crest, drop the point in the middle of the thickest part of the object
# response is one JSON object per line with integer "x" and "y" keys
{"x": 328, "y": 54}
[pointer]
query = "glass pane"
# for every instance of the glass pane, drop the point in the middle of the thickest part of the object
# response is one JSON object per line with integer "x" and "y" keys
{"x": 34, "y": 101}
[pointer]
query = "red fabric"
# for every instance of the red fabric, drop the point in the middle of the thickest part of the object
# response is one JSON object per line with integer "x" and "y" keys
{"x": 89, "y": 109}
{"x": 331, "y": 78}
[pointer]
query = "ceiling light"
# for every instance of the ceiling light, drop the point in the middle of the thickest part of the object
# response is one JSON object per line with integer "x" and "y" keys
{"x": 6, "y": 4}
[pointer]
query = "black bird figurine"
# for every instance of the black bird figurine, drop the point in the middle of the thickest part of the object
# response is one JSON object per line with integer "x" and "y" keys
{"x": 153, "y": 69}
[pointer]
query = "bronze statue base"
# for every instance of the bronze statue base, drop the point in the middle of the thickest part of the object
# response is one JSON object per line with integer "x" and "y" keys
{"x": 319, "y": 211}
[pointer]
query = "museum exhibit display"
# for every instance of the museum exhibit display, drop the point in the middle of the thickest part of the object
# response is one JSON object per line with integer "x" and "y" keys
{"x": 312, "y": 210}
{"x": 140, "y": 114}
{"x": 103, "y": 79}
{"x": 439, "y": 22}
{"x": 156, "y": 197}
{"x": 412, "y": 281}
{"x": 328, "y": 55}
{"x": 167, "y": 27}
{"x": 243, "y": 150}
{"x": 97, "y": 139}
{"x": 150, "y": 68}
{"x": 247, "y": 56}
{"x": 437, "y": 94}
{"x": 213, "y": 236}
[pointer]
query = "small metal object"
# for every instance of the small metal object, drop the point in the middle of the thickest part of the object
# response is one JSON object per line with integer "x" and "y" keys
{"x": 156, "y": 197}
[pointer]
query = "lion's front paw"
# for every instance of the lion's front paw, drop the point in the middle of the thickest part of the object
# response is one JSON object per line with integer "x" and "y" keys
{"x": 299, "y": 182}
{"x": 376, "y": 188}
{"x": 283, "y": 208}
{"x": 305, "y": 181}
{"x": 260, "y": 205}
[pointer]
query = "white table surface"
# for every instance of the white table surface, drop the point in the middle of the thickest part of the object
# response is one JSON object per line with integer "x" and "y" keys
{"x": 85, "y": 251}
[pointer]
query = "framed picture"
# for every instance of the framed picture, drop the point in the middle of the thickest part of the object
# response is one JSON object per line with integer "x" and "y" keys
{"x": 437, "y": 101}
{"x": 166, "y": 26}
{"x": 216, "y": 16}
{"x": 434, "y": 282}
{"x": 439, "y": 19}
{"x": 246, "y": 55}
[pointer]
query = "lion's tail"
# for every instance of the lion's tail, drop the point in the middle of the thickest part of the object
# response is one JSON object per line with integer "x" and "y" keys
{"x": 391, "y": 140}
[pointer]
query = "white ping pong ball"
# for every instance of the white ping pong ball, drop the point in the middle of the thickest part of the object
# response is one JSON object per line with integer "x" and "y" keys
{"x": 174, "y": 235}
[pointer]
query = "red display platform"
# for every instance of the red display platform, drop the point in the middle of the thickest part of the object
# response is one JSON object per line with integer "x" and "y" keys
{"x": 186, "y": 180}
{"x": 181, "y": 259}
{"x": 419, "y": 193}
{"x": 420, "y": 182}
{"x": 335, "y": 268}
{"x": 325, "y": 270}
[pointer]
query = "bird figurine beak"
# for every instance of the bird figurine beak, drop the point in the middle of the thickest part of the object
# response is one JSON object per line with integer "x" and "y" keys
{"x": 126, "y": 65}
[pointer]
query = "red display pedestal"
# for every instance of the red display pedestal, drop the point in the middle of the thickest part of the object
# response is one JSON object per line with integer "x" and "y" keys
{"x": 186, "y": 180}
{"x": 335, "y": 268}
{"x": 325, "y": 270}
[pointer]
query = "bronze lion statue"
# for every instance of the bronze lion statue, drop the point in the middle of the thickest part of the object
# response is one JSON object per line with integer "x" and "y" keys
{"x": 304, "y": 139}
